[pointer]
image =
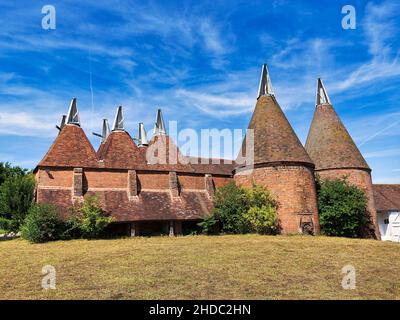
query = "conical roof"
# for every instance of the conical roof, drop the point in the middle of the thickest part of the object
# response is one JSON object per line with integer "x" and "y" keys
{"x": 71, "y": 148}
{"x": 119, "y": 151}
{"x": 274, "y": 138}
{"x": 329, "y": 144}
{"x": 162, "y": 153}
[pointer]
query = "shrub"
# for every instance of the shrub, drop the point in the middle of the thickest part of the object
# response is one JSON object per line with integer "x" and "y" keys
{"x": 5, "y": 224}
{"x": 230, "y": 202}
{"x": 262, "y": 219}
{"x": 42, "y": 224}
{"x": 88, "y": 220}
{"x": 208, "y": 224}
{"x": 240, "y": 210}
{"x": 261, "y": 215}
{"x": 342, "y": 209}
{"x": 16, "y": 197}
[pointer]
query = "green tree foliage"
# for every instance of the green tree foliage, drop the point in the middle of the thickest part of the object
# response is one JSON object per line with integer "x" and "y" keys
{"x": 42, "y": 224}
{"x": 230, "y": 202}
{"x": 241, "y": 210}
{"x": 88, "y": 220}
{"x": 6, "y": 171}
{"x": 16, "y": 197}
{"x": 342, "y": 209}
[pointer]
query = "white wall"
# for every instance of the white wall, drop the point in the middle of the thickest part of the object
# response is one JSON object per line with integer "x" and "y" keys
{"x": 390, "y": 229}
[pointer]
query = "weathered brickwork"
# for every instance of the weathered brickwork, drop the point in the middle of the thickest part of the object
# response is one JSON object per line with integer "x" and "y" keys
{"x": 78, "y": 182}
{"x": 54, "y": 177}
{"x": 293, "y": 187}
{"x": 209, "y": 185}
{"x": 132, "y": 183}
{"x": 191, "y": 182}
{"x": 174, "y": 186}
{"x": 360, "y": 178}
{"x": 153, "y": 180}
{"x": 111, "y": 179}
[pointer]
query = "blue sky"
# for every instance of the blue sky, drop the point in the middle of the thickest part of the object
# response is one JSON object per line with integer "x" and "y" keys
{"x": 200, "y": 62}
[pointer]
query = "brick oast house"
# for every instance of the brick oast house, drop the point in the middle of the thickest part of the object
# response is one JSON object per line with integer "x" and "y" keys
{"x": 334, "y": 152}
{"x": 281, "y": 163}
{"x": 146, "y": 196}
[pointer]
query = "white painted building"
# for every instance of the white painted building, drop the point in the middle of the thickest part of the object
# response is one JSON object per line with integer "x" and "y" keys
{"x": 387, "y": 203}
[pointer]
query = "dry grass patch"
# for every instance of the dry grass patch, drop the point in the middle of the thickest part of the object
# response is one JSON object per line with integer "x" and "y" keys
{"x": 201, "y": 267}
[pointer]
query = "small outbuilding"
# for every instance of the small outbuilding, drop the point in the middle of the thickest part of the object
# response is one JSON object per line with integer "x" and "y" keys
{"x": 387, "y": 202}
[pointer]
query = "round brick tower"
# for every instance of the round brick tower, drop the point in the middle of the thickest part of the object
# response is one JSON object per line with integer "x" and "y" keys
{"x": 335, "y": 154}
{"x": 281, "y": 164}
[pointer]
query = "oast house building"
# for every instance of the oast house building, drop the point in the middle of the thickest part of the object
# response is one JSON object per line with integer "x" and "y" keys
{"x": 147, "y": 196}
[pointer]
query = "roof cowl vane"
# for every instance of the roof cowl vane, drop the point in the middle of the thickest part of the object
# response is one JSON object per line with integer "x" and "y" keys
{"x": 105, "y": 132}
{"x": 142, "y": 136}
{"x": 73, "y": 114}
{"x": 119, "y": 120}
{"x": 62, "y": 123}
{"x": 159, "y": 127}
{"x": 322, "y": 94}
{"x": 265, "y": 83}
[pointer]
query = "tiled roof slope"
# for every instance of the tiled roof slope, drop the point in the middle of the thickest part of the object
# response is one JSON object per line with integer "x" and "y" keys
{"x": 71, "y": 148}
{"x": 119, "y": 151}
{"x": 274, "y": 138}
{"x": 213, "y": 165}
{"x": 150, "y": 205}
{"x": 387, "y": 197}
{"x": 329, "y": 144}
{"x": 163, "y": 154}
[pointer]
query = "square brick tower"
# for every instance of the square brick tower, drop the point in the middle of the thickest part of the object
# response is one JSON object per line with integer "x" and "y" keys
{"x": 334, "y": 152}
{"x": 281, "y": 164}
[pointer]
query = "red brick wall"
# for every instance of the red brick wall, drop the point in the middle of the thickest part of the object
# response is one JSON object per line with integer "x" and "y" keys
{"x": 155, "y": 180}
{"x": 196, "y": 182}
{"x": 221, "y": 181}
{"x": 54, "y": 177}
{"x": 294, "y": 189}
{"x": 360, "y": 178}
{"x": 105, "y": 179}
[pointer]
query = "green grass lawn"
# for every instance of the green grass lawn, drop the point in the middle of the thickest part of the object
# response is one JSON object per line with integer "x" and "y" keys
{"x": 201, "y": 267}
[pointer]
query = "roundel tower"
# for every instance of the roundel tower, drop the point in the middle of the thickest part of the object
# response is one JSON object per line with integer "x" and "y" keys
{"x": 336, "y": 155}
{"x": 280, "y": 163}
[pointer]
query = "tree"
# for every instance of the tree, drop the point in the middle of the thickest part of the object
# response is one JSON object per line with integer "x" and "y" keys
{"x": 42, "y": 224}
{"x": 6, "y": 171}
{"x": 241, "y": 210}
{"x": 261, "y": 215}
{"x": 87, "y": 220}
{"x": 16, "y": 197}
{"x": 342, "y": 209}
{"x": 230, "y": 202}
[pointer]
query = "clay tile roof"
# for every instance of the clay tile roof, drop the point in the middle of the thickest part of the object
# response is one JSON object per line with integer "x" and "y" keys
{"x": 163, "y": 154}
{"x": 329, "y": 144}
{"x": 387, "y": 197}
{"x": 71, "y": 148}
{"x": 119, "y": 151}
{"x": 274, "y": 138}
{"x": 213, "y": 166}
{"x": 149, "y": 205}
{"x": 153, "y": 205}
